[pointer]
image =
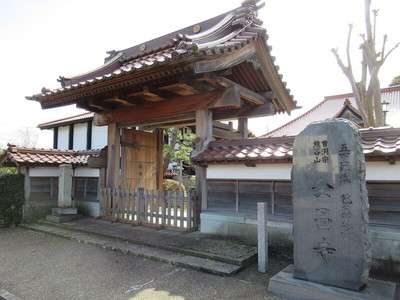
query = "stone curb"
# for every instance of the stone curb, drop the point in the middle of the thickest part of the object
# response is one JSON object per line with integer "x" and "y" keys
{"x": 5, "y": 295}
{"x": 143, "y": 251}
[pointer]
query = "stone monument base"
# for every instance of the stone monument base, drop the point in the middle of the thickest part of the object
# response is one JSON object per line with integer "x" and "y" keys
{"x": 63, "y": 214}
{"x": 286, "y": 286}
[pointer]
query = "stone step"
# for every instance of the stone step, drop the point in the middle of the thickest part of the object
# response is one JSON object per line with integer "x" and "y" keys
{"x": 231, "y": 253}
{"x": 162, "y": 255}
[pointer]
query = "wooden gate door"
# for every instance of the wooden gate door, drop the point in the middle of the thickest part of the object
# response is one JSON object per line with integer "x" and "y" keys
{"x": 142, "y": 159}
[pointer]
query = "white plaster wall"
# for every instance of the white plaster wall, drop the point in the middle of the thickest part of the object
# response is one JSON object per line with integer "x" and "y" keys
{"x": 99, "y": 137}
{"x": 54, "y": 172}
{"x": 261, "y": 171}
{"x": 377, "y": 171}
{"x": 382, "y": 171}
{"x": 80, "y": 136}
{"x": 86, "y": 172}
{"x": 44, "y": 172}
{"x": 63, "y": 137}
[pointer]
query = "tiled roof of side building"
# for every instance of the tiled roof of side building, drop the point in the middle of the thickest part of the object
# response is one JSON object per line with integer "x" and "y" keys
{"x": 328, "y": 108}
{"x": 17, "y": 156}
{"x": 377, "y": 142}
{"x": 67, "y": 121}
{"x": 332, "y": 107}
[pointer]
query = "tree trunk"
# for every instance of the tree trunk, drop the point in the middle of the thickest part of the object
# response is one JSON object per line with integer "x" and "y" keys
{"x": 367, "y": 92}
{"x": 167, "y": 158}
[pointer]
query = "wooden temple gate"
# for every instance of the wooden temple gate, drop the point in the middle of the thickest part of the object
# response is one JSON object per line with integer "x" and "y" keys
{"x": 217, "y": 70}
{"x": 139, "y": 198}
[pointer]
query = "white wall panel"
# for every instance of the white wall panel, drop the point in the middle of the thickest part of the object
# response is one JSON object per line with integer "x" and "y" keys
{"x": 86, "y": 172}
{"x": 44, "y": 172}
{"x": 80, "y": 136}
{"x": 99, "y": 137}
{"x": 63, "y": 137}
{"x": 261, "y": 171}
{"x": 383, "y": 171}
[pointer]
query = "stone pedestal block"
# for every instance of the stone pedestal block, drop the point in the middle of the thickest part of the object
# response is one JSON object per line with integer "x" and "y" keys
{"x": 64, "y": 212}
{"x": 286, "y": 286}
{"x": 61, "y": 211}
{"x": 62, "y": 219}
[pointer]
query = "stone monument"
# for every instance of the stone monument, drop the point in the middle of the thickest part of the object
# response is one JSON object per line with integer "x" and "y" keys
{"x": 65, "y": 210}
{"x": 332, "y": 242}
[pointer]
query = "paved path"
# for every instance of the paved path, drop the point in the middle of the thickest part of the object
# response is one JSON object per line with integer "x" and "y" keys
{"x": 38, "y": 266}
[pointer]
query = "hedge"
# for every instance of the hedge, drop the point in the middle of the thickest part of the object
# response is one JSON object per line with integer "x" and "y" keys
{"x": 11, "y": 199}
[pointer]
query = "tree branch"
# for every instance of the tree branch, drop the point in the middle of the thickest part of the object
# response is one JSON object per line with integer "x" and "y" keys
{"x": 357, "y": 90}
{"x": 367, "y": 16}
{"x": 391, "y": 50}
{"x": 348, "y": 47}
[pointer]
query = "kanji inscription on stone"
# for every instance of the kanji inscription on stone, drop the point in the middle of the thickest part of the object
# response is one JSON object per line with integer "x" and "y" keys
{"x": 330, "y": 204}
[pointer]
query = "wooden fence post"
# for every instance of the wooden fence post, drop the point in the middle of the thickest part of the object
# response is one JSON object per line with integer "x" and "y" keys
{"x": 196, "y": 209}
{"x": 190, "y": 208}
{"x": 140, "y": 195}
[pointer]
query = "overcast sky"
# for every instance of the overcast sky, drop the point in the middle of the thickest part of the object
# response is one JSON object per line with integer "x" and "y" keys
{"x": 43, "y": 39}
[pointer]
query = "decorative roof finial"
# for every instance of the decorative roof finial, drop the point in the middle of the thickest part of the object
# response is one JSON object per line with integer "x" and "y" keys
{"x": 64, "y": 81}
{"x": 248, "y": 13}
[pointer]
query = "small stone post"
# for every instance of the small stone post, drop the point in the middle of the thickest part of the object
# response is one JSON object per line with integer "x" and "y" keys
{"x": 64, "y": 211}
{"x": 262, "y": 237}
{"x": 65, "y": 186}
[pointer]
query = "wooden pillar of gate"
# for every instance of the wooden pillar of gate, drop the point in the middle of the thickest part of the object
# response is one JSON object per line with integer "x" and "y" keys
{"x": 204, "y": 135}
{"x": 113, "y": 156}
{"x": 160, "y": 158}
{"x": 243, "y": 127}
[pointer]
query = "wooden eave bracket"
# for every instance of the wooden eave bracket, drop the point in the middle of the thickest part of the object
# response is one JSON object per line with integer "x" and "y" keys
{"x": 244, "y": 92}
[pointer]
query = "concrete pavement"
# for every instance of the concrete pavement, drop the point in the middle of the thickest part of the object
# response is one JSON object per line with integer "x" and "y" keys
{"x": 34, "y": 265}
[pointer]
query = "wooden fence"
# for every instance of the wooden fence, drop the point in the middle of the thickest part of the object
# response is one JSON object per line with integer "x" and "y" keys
{"x": 149, "y": 208}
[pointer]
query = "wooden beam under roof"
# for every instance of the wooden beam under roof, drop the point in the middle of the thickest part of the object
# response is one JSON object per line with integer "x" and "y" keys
{"x": 225, "y": 114}
{"x": 161, "y": 110}
{"x": 118, "y": 99}
{"x": 184, "y": 120}
{"x": 225, "y": 131}
{"x": 101, "y": 105}
{"x": 158, "y": 92}
{"x": 186, "y": 87}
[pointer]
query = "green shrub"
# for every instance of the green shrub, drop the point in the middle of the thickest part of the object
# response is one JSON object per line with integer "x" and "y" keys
{"x": 173, "y": 186}
{"x": 8, "y": 170}
{"x": 11, "y": 199}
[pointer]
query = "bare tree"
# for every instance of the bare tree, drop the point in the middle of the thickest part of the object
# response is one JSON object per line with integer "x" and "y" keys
{"x": 367, "y": 91}
{"x": 27, "y": 137}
